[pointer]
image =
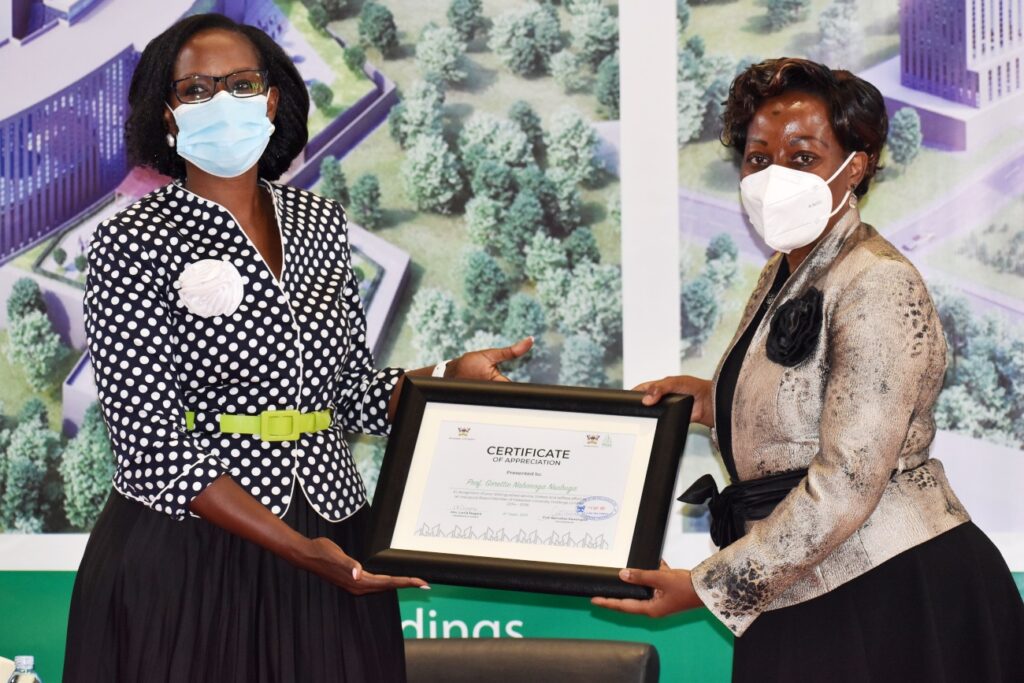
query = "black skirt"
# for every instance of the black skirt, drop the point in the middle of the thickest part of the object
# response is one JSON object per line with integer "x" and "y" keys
{"x": 161, "y": 600}
{"x": 946, "y": 611}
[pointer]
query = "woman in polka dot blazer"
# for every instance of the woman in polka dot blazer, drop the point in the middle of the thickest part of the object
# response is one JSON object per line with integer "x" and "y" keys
{"x": 230, "y": 355}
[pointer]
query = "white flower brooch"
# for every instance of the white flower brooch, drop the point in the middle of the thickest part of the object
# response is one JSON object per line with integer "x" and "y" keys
{"x": 210, "y": 287}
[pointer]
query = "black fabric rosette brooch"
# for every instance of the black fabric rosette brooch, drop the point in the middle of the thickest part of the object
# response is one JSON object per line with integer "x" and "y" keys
{"x": 793, "y": 333}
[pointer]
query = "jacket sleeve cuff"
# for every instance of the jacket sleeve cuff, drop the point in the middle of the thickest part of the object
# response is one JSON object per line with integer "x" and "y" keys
{"x": 716, "y": 597}
{"x": 373, "y": 409}
{"x": 175, "y": 498}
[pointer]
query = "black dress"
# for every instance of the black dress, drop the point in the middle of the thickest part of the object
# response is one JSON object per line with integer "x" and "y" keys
{"x": 945, "y": 611}
{"x": 162, "y": 601}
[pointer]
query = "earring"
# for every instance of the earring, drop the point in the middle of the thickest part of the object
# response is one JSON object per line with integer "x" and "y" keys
{"x": 170, "y": 140}
{"x": 853, "y": 200}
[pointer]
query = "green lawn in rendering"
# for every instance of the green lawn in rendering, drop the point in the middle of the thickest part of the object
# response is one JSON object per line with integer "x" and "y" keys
{"x": 955, "y": 259}
{"x": 717, "y": 23}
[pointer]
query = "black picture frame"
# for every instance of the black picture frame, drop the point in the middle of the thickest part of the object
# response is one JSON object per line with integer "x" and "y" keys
{"x": 673, "y": 417}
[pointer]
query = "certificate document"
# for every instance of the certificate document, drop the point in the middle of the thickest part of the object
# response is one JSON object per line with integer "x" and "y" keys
{"x": 525, "y": 484}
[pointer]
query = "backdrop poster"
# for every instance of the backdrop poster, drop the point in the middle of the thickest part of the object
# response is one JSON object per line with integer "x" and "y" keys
{"x": 950, "y": 196}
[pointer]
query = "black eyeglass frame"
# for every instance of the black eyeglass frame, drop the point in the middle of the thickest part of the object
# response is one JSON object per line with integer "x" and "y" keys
{"x": 264, "y": 73}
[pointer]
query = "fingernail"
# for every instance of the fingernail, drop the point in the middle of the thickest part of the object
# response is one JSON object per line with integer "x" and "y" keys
{"x": 355, "y": 573}
{"x": 624, "y": 575}
{"x": 426, "y": 588}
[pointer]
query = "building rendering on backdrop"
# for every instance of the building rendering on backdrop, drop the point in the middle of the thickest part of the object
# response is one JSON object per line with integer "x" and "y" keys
{"x": 959, "y": 66}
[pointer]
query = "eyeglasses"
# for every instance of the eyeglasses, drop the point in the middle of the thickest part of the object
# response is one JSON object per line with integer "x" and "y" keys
{"x": 200, "y": 88}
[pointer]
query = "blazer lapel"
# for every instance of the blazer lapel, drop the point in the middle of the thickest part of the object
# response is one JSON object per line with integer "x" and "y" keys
{"x": 812, "y": 268}
{"x": 821, "y": 256}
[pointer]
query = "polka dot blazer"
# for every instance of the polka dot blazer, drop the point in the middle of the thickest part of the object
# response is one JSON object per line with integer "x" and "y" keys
{"x": 182, "y": 314}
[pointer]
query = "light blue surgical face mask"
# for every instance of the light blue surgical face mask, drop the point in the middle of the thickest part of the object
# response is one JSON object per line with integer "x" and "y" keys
{"x": 224, "y": 136}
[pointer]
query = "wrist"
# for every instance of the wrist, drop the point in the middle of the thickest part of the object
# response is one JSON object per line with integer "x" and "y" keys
{"x": 297, "y": 549}
{"x": 451, "y": 368}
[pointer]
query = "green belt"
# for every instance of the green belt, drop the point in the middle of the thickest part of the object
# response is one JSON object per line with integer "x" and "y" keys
{"x": 270, "y": 425}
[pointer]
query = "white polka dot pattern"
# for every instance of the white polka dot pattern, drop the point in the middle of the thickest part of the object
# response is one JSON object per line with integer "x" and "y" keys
{"x": 295, "y": 344}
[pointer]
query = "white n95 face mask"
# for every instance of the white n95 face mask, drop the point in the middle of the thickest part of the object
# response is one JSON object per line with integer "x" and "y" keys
{"x": 789, "y": 208}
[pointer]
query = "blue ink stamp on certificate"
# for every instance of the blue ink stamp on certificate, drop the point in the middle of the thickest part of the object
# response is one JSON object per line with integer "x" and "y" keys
{"x": 597, "y": 508}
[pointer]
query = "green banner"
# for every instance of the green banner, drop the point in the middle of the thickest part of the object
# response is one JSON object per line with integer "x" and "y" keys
{"x": 692, "y": 646}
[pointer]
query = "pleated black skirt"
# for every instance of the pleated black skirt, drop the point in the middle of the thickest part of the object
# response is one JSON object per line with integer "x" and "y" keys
{"x": 157, "y": 600}
{"x": 946, "y": 611}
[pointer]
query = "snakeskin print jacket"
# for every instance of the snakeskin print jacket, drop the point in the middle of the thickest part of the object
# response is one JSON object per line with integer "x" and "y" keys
{"x": 857, "y": 413}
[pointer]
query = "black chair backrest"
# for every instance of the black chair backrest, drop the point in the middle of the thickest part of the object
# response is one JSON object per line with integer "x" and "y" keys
{"x": 530, "y": 660}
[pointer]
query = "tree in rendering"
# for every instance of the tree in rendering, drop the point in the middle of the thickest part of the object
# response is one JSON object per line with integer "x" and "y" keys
{"x": 782, "y": 13}
{"x": 568, "y": 205}
{"x": 690, "y": 107}
{"x": 318, "y": 16}
{"x": 467, "y": 18}
{"x": 377, "y": 28}
{"x": 484, "y": 217}
{"x": 595, "y": 31}
{"x": 25, "y": 297}
{"x": 494, "y": 179}
{"x": 525, "y": 318}
{"x": 721, "y": 261}
{"x": 486, "y": 137}
{"x": 581, "y": 246}
{"x": 682, "y": 16}
{"x": 431, "y": 174}
{"x": 905, "y": 136}
{"x": 333, "y": 184}
{"x": 572, "y": 146}
{"x": 699, "y": 312}
{"x": 582, "y": 363}
{"x": 440, "y": 51}
{"x": 551, "y": 291}
{"x": 606, "y": 88}
{"x": 421, "y": 113}
{"x": 321, "y": 94}
{"x": 565, "y": 69}
{"x": 364, "y": 202}
{"x": 437, "y": 327}
{"x": 31, "y": 488}
{"x": 841, "y": 43}
{"x": 36, "y": 348}
{"x": 593, "y": 305}
{"x": 522, "y": 220}
{"x": 524, "y": 38}
{"x": 544, "y": 254}
{"x": 86, "y": 468}
{"x": 523, "y": 114}
{"x": 485, "y": 289}
{"x": 355, "y": 58}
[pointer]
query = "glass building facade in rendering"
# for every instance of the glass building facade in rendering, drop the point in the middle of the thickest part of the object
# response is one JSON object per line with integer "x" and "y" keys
{"x": 967, "y": 51}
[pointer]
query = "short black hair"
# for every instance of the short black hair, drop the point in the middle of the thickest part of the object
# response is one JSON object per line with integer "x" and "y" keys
{"x": 856, "y": 108}
{"x": 145, "y": 131}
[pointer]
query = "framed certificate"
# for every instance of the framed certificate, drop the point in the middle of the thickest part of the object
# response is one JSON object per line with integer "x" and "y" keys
{"x": 525, "y": 486}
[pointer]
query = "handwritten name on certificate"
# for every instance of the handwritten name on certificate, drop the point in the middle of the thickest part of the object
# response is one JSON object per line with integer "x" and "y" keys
{"x": 561, "y": 488}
